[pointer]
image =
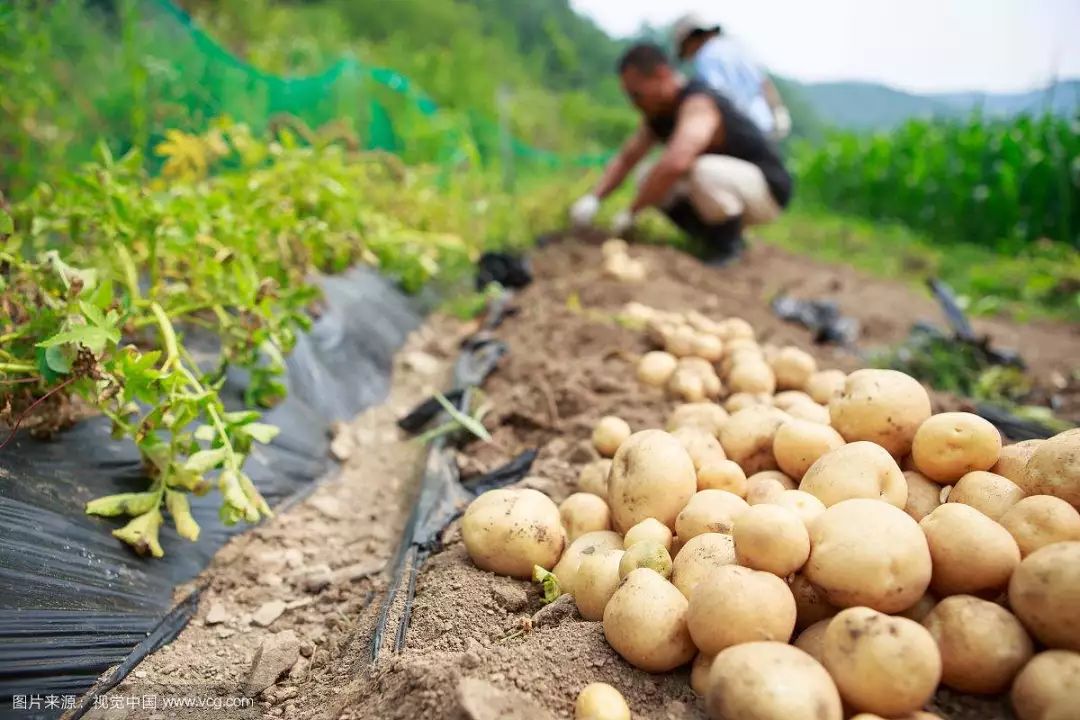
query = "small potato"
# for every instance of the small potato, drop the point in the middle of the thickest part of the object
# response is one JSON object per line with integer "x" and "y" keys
{"x": 700, "y": 558}
{"x": 767, "y": 485}
{"x": 680, "y": 342}
{"x": 699, "y": 673}
{"x": 639, "y": 313}
{"x": 882, "y": 406}
{"x": 747, "y": 437}
{"x": 810, "y": 602}
{"x": 752, "y": 377}
{"x": 709, "y": 511}
{"x": 600, "y": 701}
{"x": 588, "y": 544}
{"x": 770, "y": 681}
{"x": 734, "y": 328}
{"x": 1041, "y": 520}
{"x": 1013, "y": 458}
{"x": 803, "y": 504}
{"x": 866, "y": 552}
{"x": 737, "y": 605}
{"x": 990, "y": 494}
{"x": 1044, "y": 592}
{"x": 923, "y": 495}
{"x": 772, "y": 539}
{"x": 646, "y": 554}
{"x": 920, "y": 609}
{"x": 614, "y": 246}
{"x": 983, "y": 646}
{"x": 593, "y": 477}
{"x": 596, "y": 581}
{"x": 857, "y": 470}
{"x": 722, "y": 475}
{"x": 812, "y": 640}
{"x": 949, "y": 445}
{"x": 811, "y": 412}
{"x": 648, "y": 530}
{"x": 881, "y": 664}
{"x": 687, "y": 386}
{"x": 1050, "y": 682}
{"x": 793, "y": 368}
{"x": 824, "y": 385}
{"x": 739, "y": 352}
{"x": 645, "y": 622}
{"x": 609, "y": 434}
{"x": 799, "y": 443}
{"x": 917, "y": 715}
{"x": 658, "y": 329}
{"x": 703, "y": 323}
{"x": 651, "y": 476}
{"x": 972, "y": 554}
{"x": 1054, "y": 468}
{"x": 655, "y": 368}
{"x": 708, "y": 347}
{"x": 707, "y": 416}
{"x": 742, "y": 400}
{"x": 788, "y": 398}
{"x": 510, "y": 531}
{"x": 582, "y": 513}
{"x": 702, "y": 445}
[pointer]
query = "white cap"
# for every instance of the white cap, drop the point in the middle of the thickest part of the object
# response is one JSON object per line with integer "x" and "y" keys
{"x": 686, "y": 25}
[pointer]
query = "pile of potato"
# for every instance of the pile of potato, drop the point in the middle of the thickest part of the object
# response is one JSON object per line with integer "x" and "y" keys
{"x": 819, "y": 545}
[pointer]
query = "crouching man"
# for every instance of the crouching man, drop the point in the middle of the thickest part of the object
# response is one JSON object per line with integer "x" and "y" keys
{"x": 717, "y": 174}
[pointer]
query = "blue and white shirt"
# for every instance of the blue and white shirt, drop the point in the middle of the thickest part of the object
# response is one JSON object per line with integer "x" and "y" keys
{"x": 728, "y": 68}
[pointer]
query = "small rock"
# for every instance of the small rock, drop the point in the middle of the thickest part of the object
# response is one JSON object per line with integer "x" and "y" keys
{"x": 224, "y": 632}
{"x": 270, "y": 579}
{"x": 555, "y": 613}
{"x": 302, "y": 602}
{"x": 317, "y": 578}
{"x": 216, "y": 614}
{"x": 277, "y": 654}
{"x": 140, "y": 674}
{"x": 293, "y": 557}
{"x": 268, "y": 612}
{"x": 357, "y": 570}
{"x": 299, "y": 671}
{"x": 421, "y": 362}
{"x": 511, "y": 597}
{"x": 329, "y": 506}
{"x": 343, "y": 445}
{"x": 480, "y": 700}
{"x": 307, "y": 648}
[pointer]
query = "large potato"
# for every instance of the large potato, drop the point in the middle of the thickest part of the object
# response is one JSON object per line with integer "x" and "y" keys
{"x": 709, "y": 511}
{"x": 950, "y": 445}
{"x": 751, "y": 376}
{"x": 811, "y": 605}
{"x": 923, "y": 495}
{"x": 652, "y": 475}
{"x": 1045, "y": 594}
{"x": 708, "y": 347}
{"x": 771, "y": 538}
{"x": 582, "y": 513}
{"x": 866, "y": 552}
{"x": 702, "y": 445}
{"x": 593, "y": 477}
{"x": 608, "y": 434}
{"x": 700, "y": 558}
{"x": 972, "y": 554}
{"x": 1046, "y": 685}
{"x": 766, "y": 486}
{"x": 588, "y": 544}
{"x": 803, "y": 504}
{"x": 722, "y": 475}
{"x": 799, "y": 443}
{"x": 656, "y": 368}
{"x": 857, "y": 470}
{"x": 983, "y": 646}
{"x": 881, "y": 664}
{"x": 990, "y": 494}
{"x": 645, "y": 622}
{"x": 510, "y": 531}
{"x": 793, "y": 368}
{"x": 1041, "y": 520}
{"x": 825, "y": 385}
{"x": 883, "y": 406}
{"x": 1013, "y": 458}
{"x": 747, "y": 437}
{"x": 708, "y": 416}
{"x": 770, "y": 681}
{"x": 737, "y": 605}
{"x": 1054, "y": 468}
{"x": 596, "y": 580}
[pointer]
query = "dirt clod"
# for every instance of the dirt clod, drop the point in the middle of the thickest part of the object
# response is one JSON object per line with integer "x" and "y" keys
{"x": 268, "y": 612}
{"x": 480, "y": 700}
{"x": 277, "y": 654}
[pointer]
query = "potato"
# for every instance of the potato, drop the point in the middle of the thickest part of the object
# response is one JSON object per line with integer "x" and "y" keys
{"x": 747, "y": 437}
{"x": 646, "y": 554}
{"x": 658, "y": 329}
{"x": 788, "y": 398}
{"x": 824, "y": 385}
{"x": 707, "y": 416}
{"x": 736, "y": 605}
{"x": 700, "y": 558}
{"x": 923, "y": 495}
{"x": 1041, "y": 520}
{"x": 1054, "y": 468}
{"x": 742, "y": 400}
{"x": 600, "y": 701}
{"x": 699, "y": 673}
{"x": 882, "y": 406}
{"x": 648, "y": 530}
{"x": 990, "y": 494}
{"x": 1050, "y": 682}
{"x": 639, "y": 313}
{"x": 770, "y": 681}
{"x": 702, "y": 445}
{"x": 1045, "y": 594}
{"x": 510, "y": 531}
{"x": 722, "y": 475}
{"x": 857, "y": 470}
{"x": 733, "y": 328}
{"x": 917, "y": 715}
{"x": 709, "y": 511}
{"x": 593, "y": 477}
{"x": 881, "y": 664}
{"x": 982, "y": 645}
{"x": 655, "y": 368}
{"x": 811, "y": 605}
{"x": 582, "y": 513}
{"x": 596, "y": 580}
{"x": 609, "y": 434}
{"x": 803, "y": 504}
{"x": 949, "y": 445}
{"x": 920, "y": 609}
{"x": 645, "y": 622}
{"x": 651, "y": 476}
{"x": 680, "y": 341}
{"x": 812, "y": 640}
{"x": 799, "y": 443}
{"x": 688, "y": 385}
{"x": 810, "y": 411}
{"x": 588, "y": 544}
{"x": 614, "y": 246}
{"x": 1013, "y": 458}
{"x": 972, "y": 554}
{"x": 751, "y": 376}
{"x": 771, "y": 538}
{"x": 793, "y": 368}
{"x": 767, "y": 485}
{"x": 708, "y": 347}
{"x": 703, "y": 323}
{"x": 866, "y": 552}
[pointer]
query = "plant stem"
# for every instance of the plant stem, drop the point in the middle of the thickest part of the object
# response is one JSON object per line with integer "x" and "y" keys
{"x": 17, "y": 367}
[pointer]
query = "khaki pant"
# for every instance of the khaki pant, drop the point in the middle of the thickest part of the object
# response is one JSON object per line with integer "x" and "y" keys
{"x": 721, "y": 187}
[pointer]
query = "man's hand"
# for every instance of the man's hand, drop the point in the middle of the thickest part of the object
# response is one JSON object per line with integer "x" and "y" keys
{"x": 622, "y": 222}
{"x": 781, "y": 123}
{"x": 584, "y": 210}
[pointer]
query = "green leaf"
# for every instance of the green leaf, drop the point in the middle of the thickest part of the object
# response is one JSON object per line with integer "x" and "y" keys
{"x": 240, "y": 417}
{"x": 123, "y": 504}
{"x": 206, "y": 460}
{"x": 180, "y": 509}
{"x": 549, "y": 584}
{"x": 57, "y": 360}
{"x": 7, "y": 225}
{"x": 206, "y": 433}
{"x": 94, "y": 338}
{"x": 260, "y": 432}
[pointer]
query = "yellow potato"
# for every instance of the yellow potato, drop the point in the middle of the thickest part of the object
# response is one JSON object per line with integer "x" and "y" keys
{"x": 882, "y": 406}
{"x": 1054, "y": 468}
{"x": 588, "y": 544}
{"x": 920, "y": 609}
{"x": 1049, "y": 683}
{"x": 737, "y": 605}
{"x": 767, "y": 485}
{"x": 699, "y": 673}
{"x": 648, "y": 530}
{"x": 722, "y": 475}
{"x": 770, "y": 681}
{"x": 708, "y": 347}
{"x": 1044, "y": 592}
{"x": 810, "y": 411}
{"x": 810, "y": 602}
{"x": 646, "y": 554}
{"x": 990, "y": 494}
{"x": 600, "y": 701}
{"x": 655, "y": 368}
{"x": 709, "y": 511}
{"x": 793, "y": 368}
{"x": 771, "y": 538}
{"x": 680, "y": 341}
{"x": 923, "y": 495}
{"x": 824, "y": 385}
{"x": 857, "y": 470}
{"x": 742, "y": 400}
{"x": 751, "y": 376}
{"x": 702, "y": 445}
{"x": 708, "y": 416}
{"x": 747, "y": 437}
{"x": 609, "y": 433}
{"x": 510, "y": 531}
{"x": 593, "y": 477}
{"x": 812, "y": 640}
{"x": 645, "y": 622}
{"x": 584, "y": 512}
{"x": 972, "y": 554}
{"x": 651, "y": 476}
{"x": 596, "y": 580}
{"x": 949, "y": 445}
{"x": 1013, "y": 458}
{"x": 788, "y": 398}
{"x": 799, "y": 443}
{"x": 1041, "y": 520}
{"x": 688, "y": 385}
{"x": 803, "y": 504}
{"x": 703, "y": 323}
{"x": 700, "y": 558}
{"x": 734, "y": 328}
{"x": 614, "y": 246}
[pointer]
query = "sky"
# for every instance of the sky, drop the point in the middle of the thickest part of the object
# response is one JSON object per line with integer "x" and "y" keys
{"x": 916, "y": 45}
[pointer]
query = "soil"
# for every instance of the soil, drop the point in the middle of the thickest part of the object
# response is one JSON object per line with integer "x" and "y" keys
{"x": 482, "y": 646}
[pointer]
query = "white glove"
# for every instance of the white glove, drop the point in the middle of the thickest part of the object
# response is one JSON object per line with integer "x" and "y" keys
{"x": 584, "y": 210}
{"x": 781, "y": 123}
{"x": 622, "y": 222}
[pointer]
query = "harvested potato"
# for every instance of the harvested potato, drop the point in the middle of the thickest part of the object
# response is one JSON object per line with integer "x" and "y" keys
{"x": 596, "y": 580}
{"x": 917, "y": 715}
{"x": 733, "y": 328}
{"x": 702, "y": 445}
{"x": 510, "y": 531}
{"x": 722, "y": 475}
{"x": 803, "y": 504}
{"x": 812, "y": 640}
{"x": 972, "y": 554}
{"x": 1013, "y": 458}
{"x": 600, "y": 701}
{"x": 881, "y": 664}
{"x": 648, "y": 530}
{"x": 982, "y": 645}
{"x": 709, "y": 511}
{"x": 700, "y": 558}
{"x": 788, "y": 398}
{"x": 609, "y": 434}
{"x": 588, "y": 544}
{"x": 920, "y": 609}
{"x": 810, "y": 411}
{"x": 688, "y": 385}
{"x": 949, "y": 445}
{"x": 655, "y": 368}
{"x": 1045, "y": 594}
{"x": 680, "y": 341}
{"x": 624, "y": 268}
{"x": 824, "y": 385}
{"x": 747, "y": 437}
{"x": 708, "y": 347}
{"x": 582, "y": 513}
{"x": 1050, "y": 682}
{"x": 614, "y": 246}
{"x": 652, "y": 475}
{"x": 751, "y": 376}
{"x": 793, "y": 368}
{"x": 646, "y": 554}
{"x": 1054, "y": 468}
{"x": 658, "y": 329}
{"x": 708, "y": 416}
{"x": 1041, "y": 520}
{"x": 811, "y": 605}
{"x": 699, "y": 673}
{"x": 703, "y": 323}
{"x": 866, "y": 552}
{"x": 593, "y": 477}
{"x": 857, "y": 470}
{"x": 736, "y": 605}
{"x": 771, "y": 538}
{"x": 742, "y": 400}
{"x": 638, "y": 312}
{"x": 882, "y": 406}
{"x": 770, "y": 681}
{"x": 799, "y": 443}
{"x": 990, "y": 494}
{"x": 923, "y": 494}
{"x": 766, "y": 486}
{"x": 645, "y": 622}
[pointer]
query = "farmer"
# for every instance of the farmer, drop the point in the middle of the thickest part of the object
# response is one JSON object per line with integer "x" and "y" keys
{"x": 717, "y": 173}
{"x": 725, "y": 65}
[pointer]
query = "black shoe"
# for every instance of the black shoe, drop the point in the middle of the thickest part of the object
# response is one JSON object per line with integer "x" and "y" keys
{"x": 721, "y": 243}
